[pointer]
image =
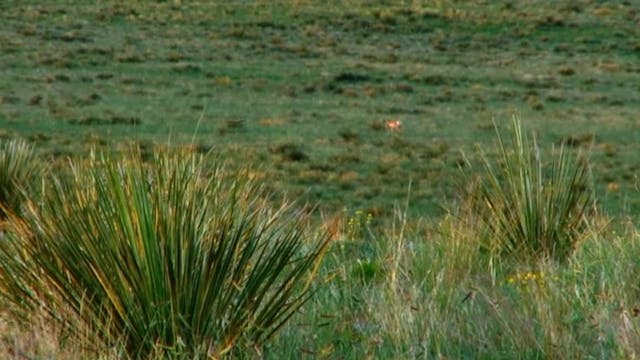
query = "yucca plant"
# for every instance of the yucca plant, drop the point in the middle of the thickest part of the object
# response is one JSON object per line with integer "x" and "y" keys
{"x": 20, "y": 168}
{"x": 173, "y": 258}
{"x": 533, "y": 208}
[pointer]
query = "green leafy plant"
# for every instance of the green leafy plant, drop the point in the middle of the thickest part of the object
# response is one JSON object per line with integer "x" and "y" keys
{"x": 173, "y": 258}
{"x": 533, "y": 208}
{"x": 20, "y": 168}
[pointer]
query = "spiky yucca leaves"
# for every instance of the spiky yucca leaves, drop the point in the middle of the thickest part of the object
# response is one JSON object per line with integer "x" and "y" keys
{"x": 168, "y": 259}
{"x": 533, "y": 208}
{"x": 19, "y": 169}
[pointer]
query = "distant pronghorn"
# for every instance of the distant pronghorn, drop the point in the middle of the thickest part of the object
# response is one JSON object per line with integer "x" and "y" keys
{"x": 393, "y": 125}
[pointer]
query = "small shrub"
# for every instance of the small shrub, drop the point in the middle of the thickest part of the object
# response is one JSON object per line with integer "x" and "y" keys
{"x": 530, "y": 207}
{"x": 170, "y": 259}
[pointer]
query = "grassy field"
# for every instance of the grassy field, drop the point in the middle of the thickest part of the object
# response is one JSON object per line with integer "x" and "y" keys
{"x": 302, "y": 89}
{"x": 302, "y": 92}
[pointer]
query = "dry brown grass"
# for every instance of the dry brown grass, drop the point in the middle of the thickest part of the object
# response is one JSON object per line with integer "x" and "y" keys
{"x": 37, "y": 341}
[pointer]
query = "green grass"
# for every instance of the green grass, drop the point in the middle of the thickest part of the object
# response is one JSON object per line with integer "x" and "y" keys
{"x": 247, "y": 77}
{"x": 435, "y": 294}
{"x": 438, "y": 295}
{"x": 301, "y": 90}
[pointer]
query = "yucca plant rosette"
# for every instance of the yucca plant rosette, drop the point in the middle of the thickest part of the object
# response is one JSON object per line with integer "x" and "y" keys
{"x": 534, "y": 207}
{"x": 174, "y": 256}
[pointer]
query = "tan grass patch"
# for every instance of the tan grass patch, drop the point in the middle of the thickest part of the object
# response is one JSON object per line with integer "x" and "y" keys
{"x": 272, "y": 122}
{"x": 37, "y": 341}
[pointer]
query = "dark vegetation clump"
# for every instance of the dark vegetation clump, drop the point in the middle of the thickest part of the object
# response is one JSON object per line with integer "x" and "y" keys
{"x": 290, "y": 152}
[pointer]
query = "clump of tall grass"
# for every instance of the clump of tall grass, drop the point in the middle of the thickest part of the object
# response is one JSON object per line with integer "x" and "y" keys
{"x": 20, "y": 169}
{"x": 534, "y": 207}
{"x": 437, "y": 296}
{"x": 171, "y": 258}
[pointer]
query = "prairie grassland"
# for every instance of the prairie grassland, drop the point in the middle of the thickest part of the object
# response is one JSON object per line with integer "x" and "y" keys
{"x": 302, "y": 88}
{"x": 302, "y": 92}
{"x": 429, "y": 292}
